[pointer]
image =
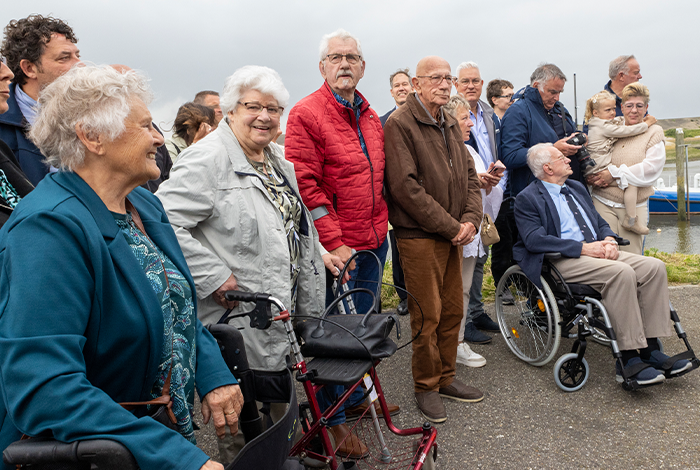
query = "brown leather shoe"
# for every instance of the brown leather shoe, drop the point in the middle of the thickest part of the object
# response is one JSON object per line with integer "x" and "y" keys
{"x": 348, "y": 445}
{"x": 461, "y": 392}
{"x": 430, "y": 404}
{"x": 358, "y": 411}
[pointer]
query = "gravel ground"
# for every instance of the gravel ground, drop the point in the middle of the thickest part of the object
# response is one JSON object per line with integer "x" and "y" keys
{"x": 526, "y": 422}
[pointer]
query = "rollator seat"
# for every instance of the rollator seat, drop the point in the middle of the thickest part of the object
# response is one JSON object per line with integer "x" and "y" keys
{"x": 335, "y": 371}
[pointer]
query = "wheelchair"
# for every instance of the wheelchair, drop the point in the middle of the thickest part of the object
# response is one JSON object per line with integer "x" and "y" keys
{"x": 534, "y": 322}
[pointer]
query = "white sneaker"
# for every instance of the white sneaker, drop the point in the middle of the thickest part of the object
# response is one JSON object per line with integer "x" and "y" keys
{"x": 468, "y": 357}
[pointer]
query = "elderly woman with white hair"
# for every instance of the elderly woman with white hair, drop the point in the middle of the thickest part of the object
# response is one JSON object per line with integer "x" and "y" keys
{"x": 96, "y": 300}
{"x": 234, "y": 203}
{"x": 474, "y": 253}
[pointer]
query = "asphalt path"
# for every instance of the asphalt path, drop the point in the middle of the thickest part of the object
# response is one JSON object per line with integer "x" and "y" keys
{"x": 526, "y": 422}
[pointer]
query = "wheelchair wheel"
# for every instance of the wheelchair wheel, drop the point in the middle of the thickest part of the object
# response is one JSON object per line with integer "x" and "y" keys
{"x": 570, "y": 373}
{"x": 531, "y": 325}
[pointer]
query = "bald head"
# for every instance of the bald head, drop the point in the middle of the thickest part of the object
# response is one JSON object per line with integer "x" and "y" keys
{"x": 433, "y": 83}
{"x": 430, "y": 62}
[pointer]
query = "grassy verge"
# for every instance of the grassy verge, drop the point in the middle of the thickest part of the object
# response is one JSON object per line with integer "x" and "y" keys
{"x": 681, "y": 269}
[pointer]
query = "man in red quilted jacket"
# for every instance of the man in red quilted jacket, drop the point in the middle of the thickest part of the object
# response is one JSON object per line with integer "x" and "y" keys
{"x": 336, "y": 143}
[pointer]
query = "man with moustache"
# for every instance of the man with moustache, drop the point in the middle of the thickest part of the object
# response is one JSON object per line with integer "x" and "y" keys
{"x": 38, "y": 49}
{"x": 336, "y": 143}
{"x": 435, "y": 208}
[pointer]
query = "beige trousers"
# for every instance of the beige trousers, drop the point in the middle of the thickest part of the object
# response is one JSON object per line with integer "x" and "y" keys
{"x": 634, "y": 290}
{"x": 468, "y": 265}
{"x": 614, "y": 218}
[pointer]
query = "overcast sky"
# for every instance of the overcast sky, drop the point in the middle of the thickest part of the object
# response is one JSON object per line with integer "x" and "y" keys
{"x": 188, "y": 46}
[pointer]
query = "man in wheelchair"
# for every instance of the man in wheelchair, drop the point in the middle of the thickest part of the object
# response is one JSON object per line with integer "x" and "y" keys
{"x": 554, "y": 214}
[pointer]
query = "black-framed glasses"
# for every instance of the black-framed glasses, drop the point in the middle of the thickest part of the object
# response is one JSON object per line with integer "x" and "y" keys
{"x": 253, "y": 107}
{"x": 509, "y": 97}
{"x": 353, "y": 59}
{"x": 437, "y": 79}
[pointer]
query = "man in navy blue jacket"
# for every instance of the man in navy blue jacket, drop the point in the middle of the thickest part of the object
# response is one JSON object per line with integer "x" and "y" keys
{"x": 556, "y": 214}
{"x": 535, "y": 118}
{"x": 38, "y": 50}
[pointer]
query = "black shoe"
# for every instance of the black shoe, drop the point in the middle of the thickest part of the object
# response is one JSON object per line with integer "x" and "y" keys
{"x": 472, "y": 335}
{"x": 484, "y": 322}
{"x": 402, "y": 308}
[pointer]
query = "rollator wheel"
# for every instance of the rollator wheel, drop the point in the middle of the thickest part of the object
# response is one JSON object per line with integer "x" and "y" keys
{"x": 571, "y": 373}
{"x": 530, "y": 325}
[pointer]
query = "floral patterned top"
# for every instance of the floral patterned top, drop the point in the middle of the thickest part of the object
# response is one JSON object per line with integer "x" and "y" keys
{"x": 179, "y": 347}
{"x": 8, "y": 192}
{"x": 290, "y": 209}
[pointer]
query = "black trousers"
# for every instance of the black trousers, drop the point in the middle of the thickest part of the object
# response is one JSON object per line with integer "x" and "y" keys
{"x": 502, "y": 252}
{"x": 396, "y": 266}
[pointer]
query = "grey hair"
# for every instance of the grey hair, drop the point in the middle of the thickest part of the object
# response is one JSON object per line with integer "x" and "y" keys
{"x": 97, "y": 97}
{"x": 466, "y": 65}
{"x": 537, "y": 157}
{"x": 455, "y": 102}
{"x": 339, "y": 34}
{"x": 252, "y": 77}
{"x": 544, "y": 73}
{"x": 619, "y": 65}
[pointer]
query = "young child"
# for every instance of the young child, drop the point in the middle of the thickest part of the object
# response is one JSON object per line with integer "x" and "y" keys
{"x": 604, "y": 128}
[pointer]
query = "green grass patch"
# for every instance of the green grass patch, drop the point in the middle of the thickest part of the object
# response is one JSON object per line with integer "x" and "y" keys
{"x": 693, "y": 154}
{"x": 681, "y": 269}
{"x": 687, "y": 133}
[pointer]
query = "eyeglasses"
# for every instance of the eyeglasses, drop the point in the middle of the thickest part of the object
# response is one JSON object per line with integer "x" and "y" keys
{"x": 509, "y": 97}
{"x": 634, "y": 105}
{"x": 437, "y": 79}
{"x": 466, "y": 81}
{"x": 253, "y": 107}
{"x": 352, "y": 59}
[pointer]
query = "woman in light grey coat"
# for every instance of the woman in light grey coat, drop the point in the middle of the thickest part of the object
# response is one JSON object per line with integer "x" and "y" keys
{"x": 234, "y": 204}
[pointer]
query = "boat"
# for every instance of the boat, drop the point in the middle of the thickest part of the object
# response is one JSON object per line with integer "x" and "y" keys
{"x": 665, "y": 198}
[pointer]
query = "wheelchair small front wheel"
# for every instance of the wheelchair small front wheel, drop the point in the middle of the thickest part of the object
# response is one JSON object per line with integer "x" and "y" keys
{"x": 571, "y": 373}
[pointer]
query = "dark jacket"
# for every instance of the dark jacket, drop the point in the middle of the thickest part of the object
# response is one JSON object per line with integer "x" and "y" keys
{"x": 8, "y": 165}
{"x": 13, "y": 128}
{"x": 81, "y": 329}
{"x": 430, "y": 178}
{"x": 527, "y": 123}
{"x": 164, "y": 162}
{"x": 383, "y": 119}
{"x": 539, "y": 227}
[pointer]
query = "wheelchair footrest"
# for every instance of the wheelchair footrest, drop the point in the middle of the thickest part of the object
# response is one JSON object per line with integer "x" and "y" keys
{"x": 338, "y": 371}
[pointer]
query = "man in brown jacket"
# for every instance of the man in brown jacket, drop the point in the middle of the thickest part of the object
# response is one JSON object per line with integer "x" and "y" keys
{"x": 435, "y": 208}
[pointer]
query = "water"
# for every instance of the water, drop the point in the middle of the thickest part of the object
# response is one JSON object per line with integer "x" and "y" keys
{"x": 683, "y": 237}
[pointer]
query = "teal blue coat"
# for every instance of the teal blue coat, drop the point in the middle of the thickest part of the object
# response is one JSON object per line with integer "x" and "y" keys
{"x": 81, "y": 328}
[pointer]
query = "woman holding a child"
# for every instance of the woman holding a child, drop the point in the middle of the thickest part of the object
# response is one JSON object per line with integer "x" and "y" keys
{"x": 635, "y": 162}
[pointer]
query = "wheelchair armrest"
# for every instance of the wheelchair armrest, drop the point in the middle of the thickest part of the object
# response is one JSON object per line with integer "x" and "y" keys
{"x": 105, "y": 454}
{"x": 555, "y": 255}
{"x": 622, "y": 241}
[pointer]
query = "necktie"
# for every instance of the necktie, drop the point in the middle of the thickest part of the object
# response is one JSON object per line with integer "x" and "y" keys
{"x": 585, "y": 230}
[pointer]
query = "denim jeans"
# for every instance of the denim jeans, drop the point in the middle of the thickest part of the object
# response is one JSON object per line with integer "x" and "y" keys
{"x": 366, "y": 268}
{"x": 476, "y": 306}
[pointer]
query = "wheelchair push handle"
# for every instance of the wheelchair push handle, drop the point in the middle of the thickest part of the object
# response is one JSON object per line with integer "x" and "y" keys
{"x": 103, "y": 454}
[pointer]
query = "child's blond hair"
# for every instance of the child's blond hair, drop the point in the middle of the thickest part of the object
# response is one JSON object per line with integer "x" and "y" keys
{"x": 594, "y": 103}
